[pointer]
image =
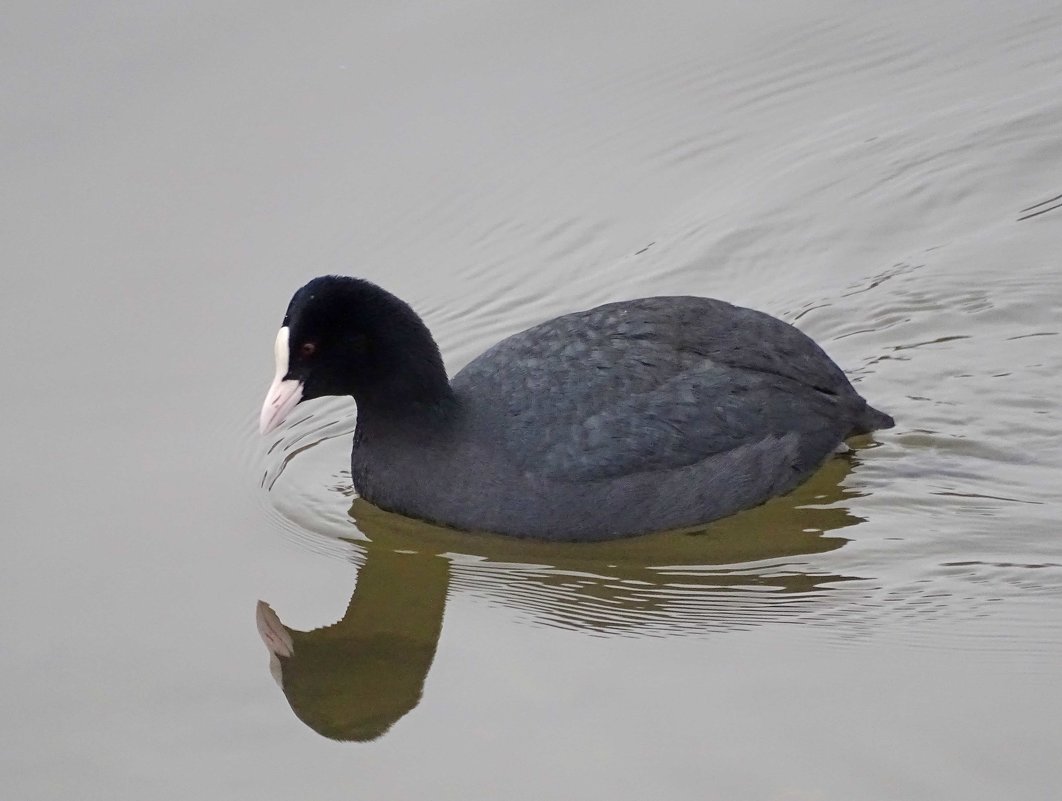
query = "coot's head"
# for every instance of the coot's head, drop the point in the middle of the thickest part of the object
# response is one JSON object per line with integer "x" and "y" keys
{"x": 346, "y": 336}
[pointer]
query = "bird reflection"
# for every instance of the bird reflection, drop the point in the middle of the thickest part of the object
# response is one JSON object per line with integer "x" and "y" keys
{"x": 354, "y": 679}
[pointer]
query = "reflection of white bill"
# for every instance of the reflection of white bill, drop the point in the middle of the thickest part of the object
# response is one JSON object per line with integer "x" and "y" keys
{"x": 275, "y": 636}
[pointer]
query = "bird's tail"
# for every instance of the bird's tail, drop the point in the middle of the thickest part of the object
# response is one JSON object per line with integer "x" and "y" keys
{"x": 871, "y": 420}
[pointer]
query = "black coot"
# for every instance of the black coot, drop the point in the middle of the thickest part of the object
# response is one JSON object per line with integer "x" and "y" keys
{"x": 636, "y": 416}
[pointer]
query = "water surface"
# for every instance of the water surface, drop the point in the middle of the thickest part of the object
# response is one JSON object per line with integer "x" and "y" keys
{"x": 193, "y": 612}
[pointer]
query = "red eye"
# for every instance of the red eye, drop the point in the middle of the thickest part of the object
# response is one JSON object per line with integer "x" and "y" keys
{"x": 307, "y": 349}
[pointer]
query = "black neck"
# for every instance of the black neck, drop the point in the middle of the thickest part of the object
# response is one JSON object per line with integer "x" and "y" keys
{"x": 406, "y": 398}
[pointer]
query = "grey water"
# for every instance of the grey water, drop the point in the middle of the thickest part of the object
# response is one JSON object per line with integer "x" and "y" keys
{"x": 194, "y": 612}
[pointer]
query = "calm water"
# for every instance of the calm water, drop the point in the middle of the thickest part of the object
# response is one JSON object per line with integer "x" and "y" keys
{"x": 880, "y": 174}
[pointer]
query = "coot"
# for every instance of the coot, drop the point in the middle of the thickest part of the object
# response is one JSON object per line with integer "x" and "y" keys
{"x": 631, "y": 417}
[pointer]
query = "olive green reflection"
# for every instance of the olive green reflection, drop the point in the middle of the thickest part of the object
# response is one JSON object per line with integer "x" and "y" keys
{"x": 354, "y": 679}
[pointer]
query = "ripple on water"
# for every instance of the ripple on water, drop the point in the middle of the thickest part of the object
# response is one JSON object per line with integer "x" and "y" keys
{"x": 891, "y": 235}
{"x": 954, "y": 479}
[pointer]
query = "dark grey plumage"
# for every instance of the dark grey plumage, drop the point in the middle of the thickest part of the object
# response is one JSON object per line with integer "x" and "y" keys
{"x": 632, "y": 417}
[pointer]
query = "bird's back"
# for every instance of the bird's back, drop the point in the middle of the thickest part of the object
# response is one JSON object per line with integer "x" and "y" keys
{"x": 653, "y": 384}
